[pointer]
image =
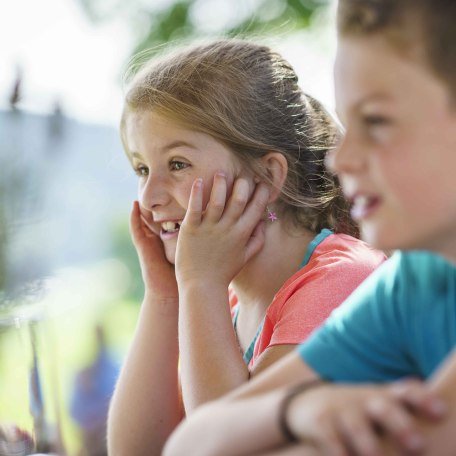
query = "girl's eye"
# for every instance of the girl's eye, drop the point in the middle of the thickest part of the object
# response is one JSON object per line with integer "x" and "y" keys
{"x": 176, "y": 165}
{"x": 141, "y": 170}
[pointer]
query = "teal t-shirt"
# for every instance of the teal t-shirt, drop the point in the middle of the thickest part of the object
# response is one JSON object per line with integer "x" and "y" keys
{"x": 400, "y": 322}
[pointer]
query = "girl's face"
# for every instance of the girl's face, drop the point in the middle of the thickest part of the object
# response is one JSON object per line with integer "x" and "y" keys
{"x": 397, "y": 162}
{"x": 167, "y": 159}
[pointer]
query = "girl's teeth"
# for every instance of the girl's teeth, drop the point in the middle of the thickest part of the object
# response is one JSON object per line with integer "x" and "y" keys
{"x": 170, "y": 227}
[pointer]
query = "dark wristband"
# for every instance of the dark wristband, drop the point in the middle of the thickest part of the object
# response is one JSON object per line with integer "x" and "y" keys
{"x": 289, "y": 435}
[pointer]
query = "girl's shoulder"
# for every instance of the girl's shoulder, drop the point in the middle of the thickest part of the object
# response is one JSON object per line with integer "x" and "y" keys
{"x": 344, "y": 250}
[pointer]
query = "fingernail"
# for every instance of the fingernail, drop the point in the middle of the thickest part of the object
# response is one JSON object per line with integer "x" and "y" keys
{"x": 221, "y": 174}
{"x": 198, "y": 182}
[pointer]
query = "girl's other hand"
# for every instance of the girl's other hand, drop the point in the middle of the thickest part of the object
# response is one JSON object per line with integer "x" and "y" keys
{"x": 215, "y": 244}
{"x": 346, "y": 420}
{"x": 158, "y": 274}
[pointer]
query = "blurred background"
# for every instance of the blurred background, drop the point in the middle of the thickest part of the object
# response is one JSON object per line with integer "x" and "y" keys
{"x": 70, "y": 285}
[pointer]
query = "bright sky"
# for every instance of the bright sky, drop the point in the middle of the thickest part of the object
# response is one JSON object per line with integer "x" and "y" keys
{"x": 65, "y": 57}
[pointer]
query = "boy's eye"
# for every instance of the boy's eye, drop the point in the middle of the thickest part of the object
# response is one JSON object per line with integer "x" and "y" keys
{"x": 377, "y": 128}
{"x": 141, "y": 170}
{"x": 373, "y": 121}
{"x": 176, "y": 165}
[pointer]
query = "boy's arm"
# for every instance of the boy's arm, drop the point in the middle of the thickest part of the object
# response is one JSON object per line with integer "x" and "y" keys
{"x": 441, "y": 437}
{"x": 244, "y": 422}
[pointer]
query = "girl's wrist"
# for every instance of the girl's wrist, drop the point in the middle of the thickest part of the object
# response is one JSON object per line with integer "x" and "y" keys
{"x": 202, "y": 289}
{"x": 204, "y": 285}
{"x": 154, "y": 298}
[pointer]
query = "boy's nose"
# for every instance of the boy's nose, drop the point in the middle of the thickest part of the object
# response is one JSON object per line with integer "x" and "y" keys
{"x": 347, "y": 157}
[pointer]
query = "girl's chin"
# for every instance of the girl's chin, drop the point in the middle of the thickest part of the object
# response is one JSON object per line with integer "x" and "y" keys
{"x": 171, "y": 256}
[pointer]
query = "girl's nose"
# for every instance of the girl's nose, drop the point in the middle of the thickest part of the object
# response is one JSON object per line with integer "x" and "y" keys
{"x": 153, "y": 192}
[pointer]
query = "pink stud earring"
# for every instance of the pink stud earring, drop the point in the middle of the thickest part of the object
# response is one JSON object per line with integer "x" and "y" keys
{"x": 271, "y": 215}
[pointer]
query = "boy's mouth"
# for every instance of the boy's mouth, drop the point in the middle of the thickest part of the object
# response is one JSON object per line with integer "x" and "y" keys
{"x": 363, "y": 206}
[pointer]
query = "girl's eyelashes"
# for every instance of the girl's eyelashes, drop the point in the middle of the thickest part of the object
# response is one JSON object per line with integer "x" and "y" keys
{"x": 177, "y": 165}
{"x": 141, "y": 170}
{"x": 174, "y": 165}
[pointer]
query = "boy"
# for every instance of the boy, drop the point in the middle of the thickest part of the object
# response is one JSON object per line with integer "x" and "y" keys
{"x": 395, "y": 90}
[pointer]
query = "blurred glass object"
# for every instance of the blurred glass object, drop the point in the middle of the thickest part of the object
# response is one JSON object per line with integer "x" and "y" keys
{"x": 29, "y": 412}
{"x": 92, "y": 390}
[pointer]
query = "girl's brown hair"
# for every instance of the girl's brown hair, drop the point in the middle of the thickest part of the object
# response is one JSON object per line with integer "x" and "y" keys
{"x": 247, "y": 96}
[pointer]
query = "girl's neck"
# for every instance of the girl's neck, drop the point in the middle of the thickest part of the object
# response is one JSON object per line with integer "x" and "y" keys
{"x": 262, "y": 277}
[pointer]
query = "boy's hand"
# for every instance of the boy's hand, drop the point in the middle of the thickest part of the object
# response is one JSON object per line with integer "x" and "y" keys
{"x": 215, "y": 245}
{"x": 346, "y": 420}
{"x": 157, "y": 272}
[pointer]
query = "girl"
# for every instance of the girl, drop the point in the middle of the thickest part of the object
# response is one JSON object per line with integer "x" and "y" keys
{"x": 229, "y": 114}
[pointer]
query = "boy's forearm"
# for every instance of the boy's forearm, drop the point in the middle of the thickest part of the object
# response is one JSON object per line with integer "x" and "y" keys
{"x": 211, "y": 361}
{"x": 146, "y": 405}
{"x": 244, "y": 427}
{"x": 246, "y": 421}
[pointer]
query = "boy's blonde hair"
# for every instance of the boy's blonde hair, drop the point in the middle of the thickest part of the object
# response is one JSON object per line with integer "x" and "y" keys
{"x": 247, "y": 97}
{"x": 429, "y": 24}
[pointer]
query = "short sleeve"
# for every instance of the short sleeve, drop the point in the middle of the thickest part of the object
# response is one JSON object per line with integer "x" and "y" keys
{"x": 367, "y": 338}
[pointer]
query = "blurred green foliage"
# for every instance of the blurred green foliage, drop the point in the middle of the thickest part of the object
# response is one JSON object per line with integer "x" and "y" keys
{"x": 123, "y": 247}
{"x": 160, "y": 22}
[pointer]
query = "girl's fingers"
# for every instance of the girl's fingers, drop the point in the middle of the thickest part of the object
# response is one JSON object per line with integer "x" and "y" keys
{"x": 256, "y": 207}
{"x": 217, "y": 200}
{"x": 139, "y": 228}
{"x": 256, "y": 241}
{"x": 136, "y": 223}
{"x": 238, "y": 200}
{"x": 195, "y": 204}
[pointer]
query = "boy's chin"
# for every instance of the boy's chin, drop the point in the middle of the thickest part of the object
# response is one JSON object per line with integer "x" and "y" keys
{"x": 388, "y": 240}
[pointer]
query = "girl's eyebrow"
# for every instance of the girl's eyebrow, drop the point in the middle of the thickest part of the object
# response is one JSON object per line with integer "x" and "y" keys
{"x": 136, "y": 155}
{"x": 166, "y": 148}
{"x": 178, "y": 143}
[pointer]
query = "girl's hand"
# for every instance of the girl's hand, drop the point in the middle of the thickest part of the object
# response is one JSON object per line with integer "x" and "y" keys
{"x": 346, "y": 420}
{"x": 157, "y": 272}
{"x": 214, "y": 246}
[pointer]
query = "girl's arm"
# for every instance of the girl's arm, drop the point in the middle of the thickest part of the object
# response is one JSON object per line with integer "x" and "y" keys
{"x": 212, "y": 248}
{"x": 146, "y": 404}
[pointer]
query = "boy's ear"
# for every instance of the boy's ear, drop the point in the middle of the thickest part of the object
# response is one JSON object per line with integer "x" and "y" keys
{"x": 276, "y": 167}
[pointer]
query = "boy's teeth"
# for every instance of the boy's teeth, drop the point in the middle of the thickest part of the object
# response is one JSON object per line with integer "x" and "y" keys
{"x": 362, "y": 201}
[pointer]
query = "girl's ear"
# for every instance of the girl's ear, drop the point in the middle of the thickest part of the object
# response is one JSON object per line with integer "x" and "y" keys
{"x": 276, "y": 167}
